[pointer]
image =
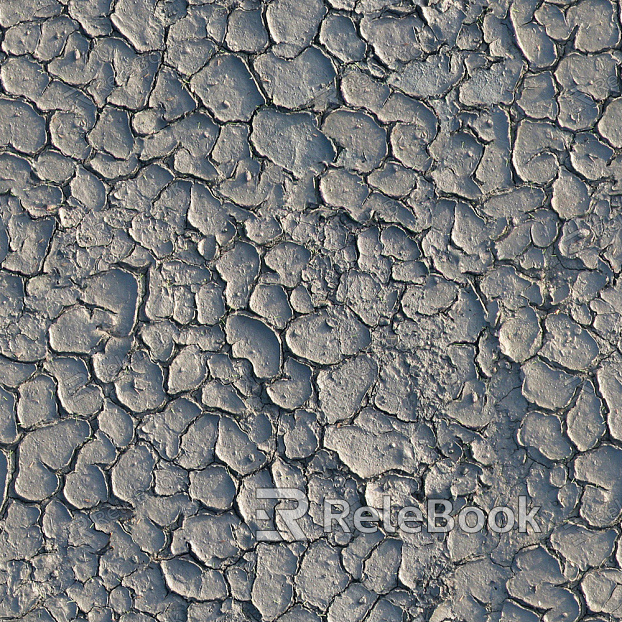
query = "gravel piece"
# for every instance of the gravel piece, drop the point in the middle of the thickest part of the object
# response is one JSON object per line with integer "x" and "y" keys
{"x": 227, "y": 89}
{"x": 430, "y": 78}
{"x": 609, "y": 124}
{"x": 324, "y": 337}
{"x": 23, "y": 129}
{"x": 37, "y": 402}
{"x": 495, "y": 85}
{"x": 198, "y": 442}
{"x": 570, "y": 195}
{"x": 340, "y": 38}
{"x": 294, "y": 389}
{"x": 212, "y": 539}
{"x": 273, "y": 588}
{"x": 246, "y": 31}
{"x": 299, "y": 82}
{"x": 547, "y": 387}
{"x": 520, "y": 337}
{"x": 251, "y": 339}
{"x": 189, "y": 580}
{"x": 239, "y": 268}
{"x": 163, "y": 430}
{"x": 568, "y": 344}
{"x": 544, "y": 434}
{"x": 537, "y": 96}
{"x": 237, "y": 450}
{"x": 140, "y": 386}
{"x": 275, "y": 134}
{"x": 362, "y": 141}
{"x": 321, "y": 562}
{"x": 341, "y": 391}
{"x": 112, "y": 133}
{"x": 535, "y": 150}
{"x": 301, "y": 438}
{"x": 213, "y": 487}
{"x": 368, "y": 454}
{"x": 271, "y": 303}
{"x": 292, "y": 27}
{"x": 45, "y": 451}
{"x": 187, "y": 370}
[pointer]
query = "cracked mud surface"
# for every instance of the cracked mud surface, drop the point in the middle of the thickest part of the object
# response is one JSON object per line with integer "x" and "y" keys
{"x": 354, "y": 247}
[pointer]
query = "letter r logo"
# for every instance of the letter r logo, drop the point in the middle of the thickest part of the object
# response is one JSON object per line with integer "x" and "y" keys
{"x": 289, "y": 516}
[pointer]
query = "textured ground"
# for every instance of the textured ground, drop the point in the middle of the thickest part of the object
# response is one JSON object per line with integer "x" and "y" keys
{"x": 358, "y": 248}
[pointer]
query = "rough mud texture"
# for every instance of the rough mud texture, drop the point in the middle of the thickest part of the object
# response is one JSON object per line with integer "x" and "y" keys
{"x": 355, "y": 247}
